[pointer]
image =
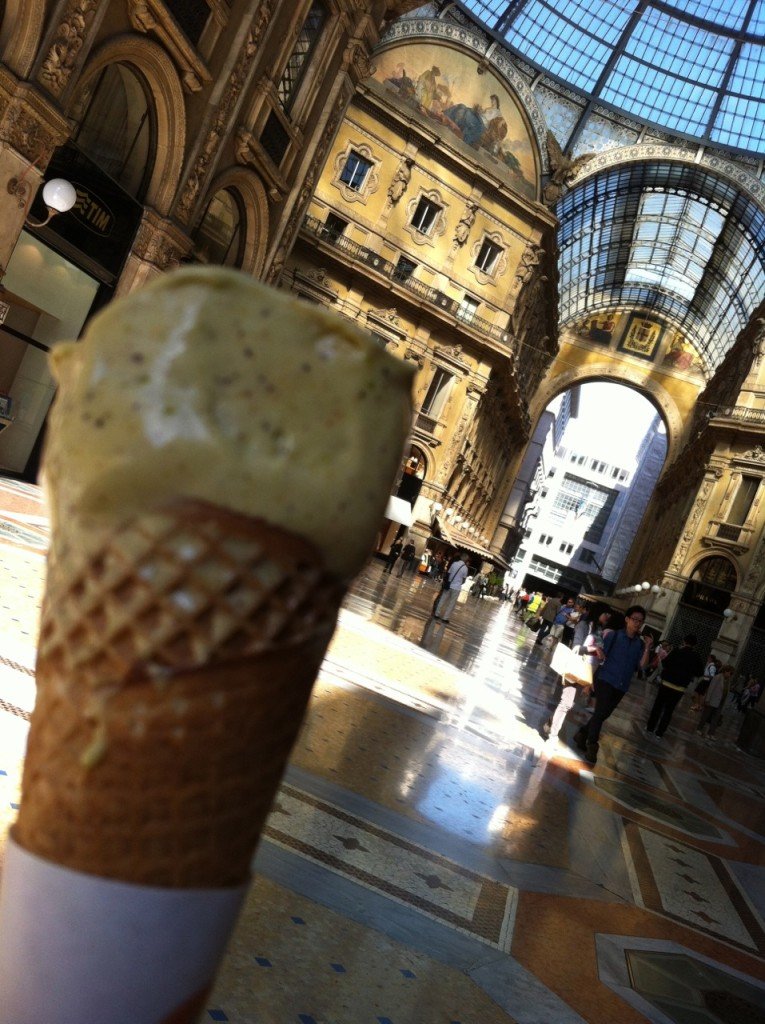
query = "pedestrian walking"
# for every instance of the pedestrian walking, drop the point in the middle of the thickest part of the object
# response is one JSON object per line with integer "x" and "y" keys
{"x": 680, "y": 667}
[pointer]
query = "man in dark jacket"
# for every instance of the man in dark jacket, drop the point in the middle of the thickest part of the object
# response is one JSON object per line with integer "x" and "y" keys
{"x": 681, "y": 666}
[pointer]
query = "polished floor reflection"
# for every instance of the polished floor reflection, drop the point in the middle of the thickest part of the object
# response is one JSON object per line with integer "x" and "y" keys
{"x": 429, "y": 859}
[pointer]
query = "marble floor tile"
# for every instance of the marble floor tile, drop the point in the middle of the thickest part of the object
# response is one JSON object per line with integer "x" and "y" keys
{"x": 429, "y": 859}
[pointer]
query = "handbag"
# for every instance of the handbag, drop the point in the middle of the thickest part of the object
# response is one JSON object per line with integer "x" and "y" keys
{"x": 575, "y": 668}
{"x": 534, "y": 625}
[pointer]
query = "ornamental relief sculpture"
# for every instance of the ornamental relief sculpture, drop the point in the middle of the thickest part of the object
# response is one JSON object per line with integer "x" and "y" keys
{"x": 464, "y": 224}
{"x": 62, "y": 56}
{"x": 400, "y": 181}
{"x": 23, "y": 130}
{"x": 692, "y": 524}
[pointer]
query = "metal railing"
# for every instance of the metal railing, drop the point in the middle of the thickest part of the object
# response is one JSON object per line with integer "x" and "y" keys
{"x": 360, "y": 254}
{"x": 739, "y": 412}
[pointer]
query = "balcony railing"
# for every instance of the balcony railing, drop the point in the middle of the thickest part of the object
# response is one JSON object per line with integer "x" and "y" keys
{"x": 741, "y": 413}
{"x": 360, "y": 254}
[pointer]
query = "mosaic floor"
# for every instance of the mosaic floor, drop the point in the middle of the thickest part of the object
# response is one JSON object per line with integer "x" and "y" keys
{"x": 429, "y": 860}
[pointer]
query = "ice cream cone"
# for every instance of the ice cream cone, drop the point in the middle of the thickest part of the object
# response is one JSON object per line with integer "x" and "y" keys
{"x": 174, "y": 667}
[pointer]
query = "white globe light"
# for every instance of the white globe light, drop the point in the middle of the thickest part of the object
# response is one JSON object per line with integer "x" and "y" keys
{"x": 728, "y": 613}
{"x": 656, "y": 589}
{"x": 59, "y": 195}
{"x": 437, "y": 506}
{"x": 645, "y": 586}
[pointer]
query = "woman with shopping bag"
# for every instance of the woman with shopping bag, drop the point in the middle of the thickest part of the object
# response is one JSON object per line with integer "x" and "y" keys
{"x": 576, "y": 667}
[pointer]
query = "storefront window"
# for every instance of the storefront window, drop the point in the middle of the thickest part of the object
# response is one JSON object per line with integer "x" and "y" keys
{"x": 49, "y": 300}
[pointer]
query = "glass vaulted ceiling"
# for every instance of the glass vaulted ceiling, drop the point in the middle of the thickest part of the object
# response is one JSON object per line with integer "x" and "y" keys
{"x": 695, "y": 67}
{"x": 672, "y": 238}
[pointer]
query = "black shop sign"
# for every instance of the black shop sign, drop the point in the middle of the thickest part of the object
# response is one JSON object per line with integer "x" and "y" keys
{"x": 104, "y": 220}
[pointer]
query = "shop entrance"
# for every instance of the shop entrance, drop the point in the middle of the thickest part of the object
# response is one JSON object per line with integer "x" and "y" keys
{"x": 48, "y": 300}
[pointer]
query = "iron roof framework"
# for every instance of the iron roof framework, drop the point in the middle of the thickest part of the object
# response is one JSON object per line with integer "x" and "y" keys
{"x": 692, "y": 67}
{"x": 670, "y": 238}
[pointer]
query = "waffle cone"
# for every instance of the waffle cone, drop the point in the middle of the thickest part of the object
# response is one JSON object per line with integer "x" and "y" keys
{"x": 174, "y": 668}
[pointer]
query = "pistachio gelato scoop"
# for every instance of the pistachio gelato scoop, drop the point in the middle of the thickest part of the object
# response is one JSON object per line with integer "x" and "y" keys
{"x": 209, "y": 385}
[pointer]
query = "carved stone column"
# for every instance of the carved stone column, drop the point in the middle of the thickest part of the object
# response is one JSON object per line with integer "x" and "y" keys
{"x": 222, "y": 116}
{"x": 664, "y": 605}
{"x": 696, "y": 519}
{"x": 159, "y": 246}
{"x": 313, "y": 166}
{"x": 454, "y": 445}
{"x": 29, "y": 132}
{"x": 67, "y": 46}
{"x": 731, "y": 639}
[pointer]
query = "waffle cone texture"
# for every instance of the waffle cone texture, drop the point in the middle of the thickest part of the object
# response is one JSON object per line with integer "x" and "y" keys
{"x": 174, "y": 668}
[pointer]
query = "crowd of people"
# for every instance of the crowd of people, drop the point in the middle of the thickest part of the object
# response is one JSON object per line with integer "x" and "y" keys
{"x": 612, "y": 649}
{"x": 615, "y": 649}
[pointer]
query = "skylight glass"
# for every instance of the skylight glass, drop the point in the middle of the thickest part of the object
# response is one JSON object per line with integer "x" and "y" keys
{"x": 725, "y": 13}
{"x": 695, "y": 67}
{"x": 673, "y": 239}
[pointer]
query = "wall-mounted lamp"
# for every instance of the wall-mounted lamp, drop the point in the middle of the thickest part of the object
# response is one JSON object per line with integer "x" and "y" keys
{"x": 436, "y": 507}
{"x": 58, "y": 194}
{"x": 730, "y": 615}
{"x": 656, "y": 589}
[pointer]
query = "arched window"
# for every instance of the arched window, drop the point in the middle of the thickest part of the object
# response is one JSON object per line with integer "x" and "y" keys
{"x": 716, "y": 572}
{"x": 116, "y": 128}
{"x": 220, "y": 236}
{"x": 711, "y": 584}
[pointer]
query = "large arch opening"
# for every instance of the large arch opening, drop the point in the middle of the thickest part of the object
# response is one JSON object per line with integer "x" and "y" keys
{"x": 584, "y": 484}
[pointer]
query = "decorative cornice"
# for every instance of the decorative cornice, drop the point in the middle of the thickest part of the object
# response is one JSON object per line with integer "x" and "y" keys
{"x": 27, "y": 122}
{"x": 644, "y": 152}
{"x": 153, "y": 16}
{"x": 500, "y": 60}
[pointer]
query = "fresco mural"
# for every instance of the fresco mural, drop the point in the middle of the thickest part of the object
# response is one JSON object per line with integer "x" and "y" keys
{"x": 601, "y": 327}
{"x": 681, "y": 355}
{"x": 444, "y": 86}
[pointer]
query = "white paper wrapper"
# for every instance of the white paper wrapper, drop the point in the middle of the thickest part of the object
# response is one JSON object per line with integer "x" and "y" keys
{"x": 79, "y": 948}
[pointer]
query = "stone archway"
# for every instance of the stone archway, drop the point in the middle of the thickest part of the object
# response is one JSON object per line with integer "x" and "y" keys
{"x": 255, "y": 203}
{"x": 21, "y": 33}
{"x": 164, "y": 85}
{"x": 562, "y": 376}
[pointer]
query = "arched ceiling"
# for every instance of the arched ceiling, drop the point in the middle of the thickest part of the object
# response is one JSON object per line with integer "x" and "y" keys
{"x": 668, "y": 237}
{"x": 692, "y": 67}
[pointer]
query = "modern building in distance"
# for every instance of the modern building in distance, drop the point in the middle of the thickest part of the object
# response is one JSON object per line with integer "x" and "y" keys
{"x": 583, "y": 511}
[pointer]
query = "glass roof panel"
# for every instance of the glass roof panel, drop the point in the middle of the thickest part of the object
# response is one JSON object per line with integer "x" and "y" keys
{"x": 726, "y": 13}
{"x": 740, "y": 123}
{"x": 757, "y": 22}
{"x": 670, "y": 238}
{"x": 673, "y": 63}
{"x": 580, "y": 40}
